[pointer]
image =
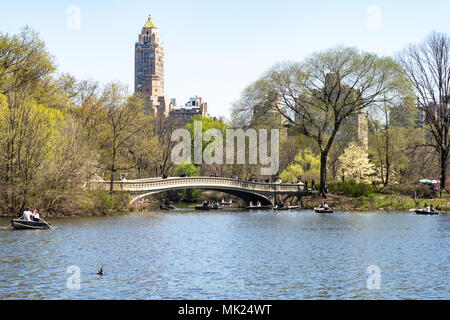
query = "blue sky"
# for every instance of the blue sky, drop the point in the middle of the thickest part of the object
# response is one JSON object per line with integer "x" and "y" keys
{"x": 215, "y": 48}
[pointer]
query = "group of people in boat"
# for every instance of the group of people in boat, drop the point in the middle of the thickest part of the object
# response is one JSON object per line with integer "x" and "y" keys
{"x": 324, "y": 206}
{"x": 281, "y": 205}
{"x": 258, "y": 204}
{"x": 29, "y": 215}
{"x": 428, "y": 208}
{"x": 207, "y": 203}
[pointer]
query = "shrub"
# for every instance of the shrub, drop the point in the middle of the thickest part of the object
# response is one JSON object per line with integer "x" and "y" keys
{"x": 351, "y": 188}
{"x": 404, "y": 189}
{"x": 101, "y": 202}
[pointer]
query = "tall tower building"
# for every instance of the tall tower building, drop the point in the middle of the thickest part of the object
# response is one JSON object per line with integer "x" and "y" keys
{"x": 149, "y": 69}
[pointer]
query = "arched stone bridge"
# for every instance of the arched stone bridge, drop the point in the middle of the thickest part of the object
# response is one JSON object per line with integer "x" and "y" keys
{"x": 266, "y": 193}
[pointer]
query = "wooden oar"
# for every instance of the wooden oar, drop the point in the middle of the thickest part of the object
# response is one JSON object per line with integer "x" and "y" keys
{"x": 46, "y": 223}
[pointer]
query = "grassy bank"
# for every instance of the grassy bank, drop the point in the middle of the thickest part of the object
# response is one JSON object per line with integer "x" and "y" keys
{"x": 374, "y": 201}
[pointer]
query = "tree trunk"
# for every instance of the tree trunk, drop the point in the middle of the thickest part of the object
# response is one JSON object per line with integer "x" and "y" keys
{"x": 443, "y": 166}
{"x": 323, "y": 172}
{"x": 387, "y": 158}
{"x": 388, "y": 168}
{"x": 113, "y": 169}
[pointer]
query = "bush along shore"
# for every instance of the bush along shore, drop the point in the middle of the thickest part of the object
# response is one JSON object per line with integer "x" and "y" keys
{"x": 375, "y": 202}
{"x": 92, "y": 203}
{"x": 341, "y": 196}
{"x": 350, "y": 195}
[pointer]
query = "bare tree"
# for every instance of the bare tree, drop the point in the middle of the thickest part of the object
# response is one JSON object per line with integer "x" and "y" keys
{"x": 428, "y": 67}
{"x": 316, "y": 97}
{"x": 122, "y": 122}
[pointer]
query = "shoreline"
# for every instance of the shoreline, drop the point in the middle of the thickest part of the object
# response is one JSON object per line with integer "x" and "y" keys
{"x": 376, "y": 202}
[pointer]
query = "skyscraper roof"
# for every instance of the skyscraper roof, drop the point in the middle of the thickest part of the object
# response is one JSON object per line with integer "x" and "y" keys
{"x": 149, "y": 23}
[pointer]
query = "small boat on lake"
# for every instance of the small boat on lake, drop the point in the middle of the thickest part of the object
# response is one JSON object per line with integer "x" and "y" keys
{"x": 259, "y": 207}
{"x": 203, "y": 207}
{"x": 167, "y": 207}
{"x": 286, "y": 208}
{"x": 424, "y": 211}
{"x": 322, "y": 210}
{"x": 20, "y": 224}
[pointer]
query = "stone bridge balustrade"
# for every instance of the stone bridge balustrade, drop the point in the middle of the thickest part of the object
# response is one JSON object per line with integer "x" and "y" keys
{"x": 265, "y": 192}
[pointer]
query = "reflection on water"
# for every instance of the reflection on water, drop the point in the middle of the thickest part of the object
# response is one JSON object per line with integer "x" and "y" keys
{"x": 230, "y": 255}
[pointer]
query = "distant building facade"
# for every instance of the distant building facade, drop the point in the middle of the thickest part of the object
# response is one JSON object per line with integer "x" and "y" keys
{"x": 149, "y": 69}
{"x": 194, "y": 107}
{"x": 149, "y": 79}
{"x": 268, "y": 115}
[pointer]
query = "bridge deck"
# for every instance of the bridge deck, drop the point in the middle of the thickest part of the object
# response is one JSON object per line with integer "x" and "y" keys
{"x": 233, "y": 186}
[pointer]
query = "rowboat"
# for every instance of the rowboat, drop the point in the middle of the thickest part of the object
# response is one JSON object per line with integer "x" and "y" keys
{"x": 422, "y": 211}
{"x": 23, "y": 224}
{"x": 166, "y": 207}
{"x": 259, "y": 207}
{"x": 322, "y": 210}
{"x": 202, "y": 207}
{"x": 286, "y": 208}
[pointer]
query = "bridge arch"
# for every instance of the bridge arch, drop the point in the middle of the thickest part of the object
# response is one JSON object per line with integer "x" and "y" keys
{"x": 246, "y": 190}
{"x": 246, "y": 196}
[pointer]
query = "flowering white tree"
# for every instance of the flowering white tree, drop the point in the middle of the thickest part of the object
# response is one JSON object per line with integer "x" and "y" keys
{"x": 355, "y": 161}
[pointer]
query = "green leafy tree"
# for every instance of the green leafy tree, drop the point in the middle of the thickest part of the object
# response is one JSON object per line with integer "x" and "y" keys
{"x": 207, "y": 123}
{"x": 306, "y": 165}
{"x": 188, "y": 168}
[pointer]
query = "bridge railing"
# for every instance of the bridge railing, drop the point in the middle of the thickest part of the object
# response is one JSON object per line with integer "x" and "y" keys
{"x": 193, "y": 182}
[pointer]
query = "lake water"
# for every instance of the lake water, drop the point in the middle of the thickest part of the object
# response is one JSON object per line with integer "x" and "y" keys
{"x": 230, "y": 255}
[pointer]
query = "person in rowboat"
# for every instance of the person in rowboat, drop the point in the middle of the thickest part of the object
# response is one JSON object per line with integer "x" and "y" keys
{"x": 258, "y": 204}
{"x": 35, "y": 215}
{"x": 27, "y": 215}
{"x": 324, "y": 206}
